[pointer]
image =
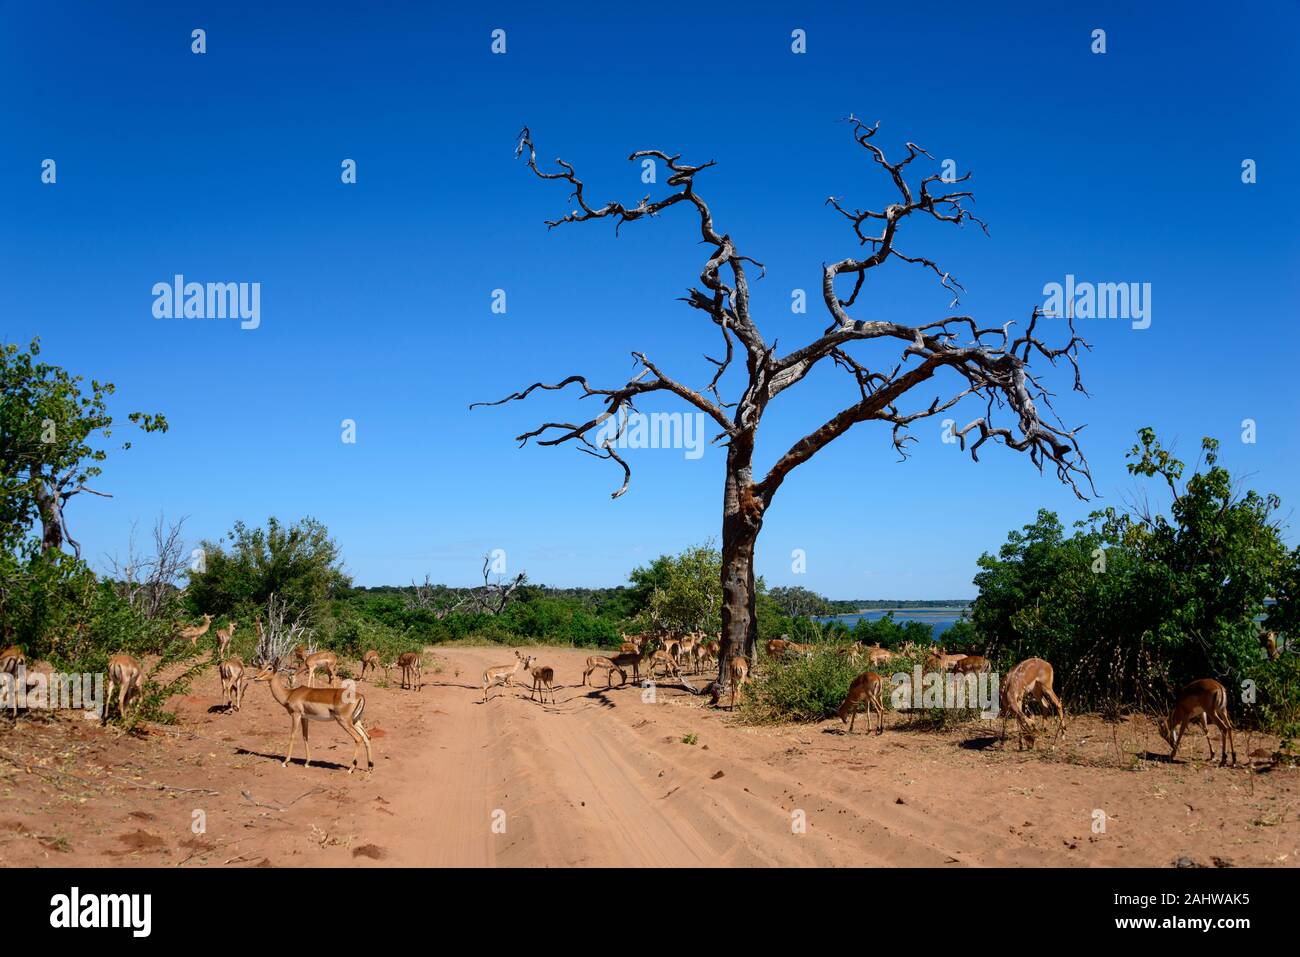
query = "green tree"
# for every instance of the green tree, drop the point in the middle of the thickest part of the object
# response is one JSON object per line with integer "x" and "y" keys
{"x": 795, "y": 601}
{"x": 300, "y": 563}
{"x": 52, "y": 434}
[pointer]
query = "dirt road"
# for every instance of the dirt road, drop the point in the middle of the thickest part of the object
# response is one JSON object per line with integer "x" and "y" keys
{"x": 620, "y": 778}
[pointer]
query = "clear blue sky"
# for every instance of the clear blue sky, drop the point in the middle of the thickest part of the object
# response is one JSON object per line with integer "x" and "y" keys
{"x": 376, "y": 296}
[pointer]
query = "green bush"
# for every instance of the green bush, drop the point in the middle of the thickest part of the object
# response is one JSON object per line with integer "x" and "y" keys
{"x": 799, "y": 688}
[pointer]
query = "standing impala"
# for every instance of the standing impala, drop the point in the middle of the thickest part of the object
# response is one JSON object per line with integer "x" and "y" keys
{"x": 128, "y": 675}
{"x": 503, "y": 674}
{"x": 1204, "y": 699}
{"x": 315, "y": 662}
{"x": 543, "y": 678}
{"x": 11, "y": 660}
{"x": 223, "y": 638}
{"x": 198, "y": 631}
{"x": 738, "y": 673}
{"x": 232, "y": 682}
{"x": 410, "y": 663}
{"x": 342, "y": 705}
{"x": 369, "y": 662}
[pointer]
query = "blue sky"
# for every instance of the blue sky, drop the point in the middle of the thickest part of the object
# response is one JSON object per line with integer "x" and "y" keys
{"x": 1122, "y": 167}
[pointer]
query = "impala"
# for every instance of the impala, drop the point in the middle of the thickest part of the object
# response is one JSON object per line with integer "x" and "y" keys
{"x": 673, "y": 646}
{"x": 1268, "y": 641}
{"x": 1032, "y": 677}
{"x": 597, "y": 662}
{"x": 315, "y": 662}
{"x": 866, "y": 687}
{"x": 972, "y": 665}
{"x": 370, "y": 662}
{"x": 11, "y": 659}
{"x": 628, "y": 659}
{"x": 198, "y": 631}
{"x": 411, "y": 663}
{"x": 738, "y": 675}
{"x": 343, "y": 705}
{"x": 937, "y": 660}
{"x": 1208, "y": 700}
{"x": 877, "y": 655}
{"x": 232, "y": 682}
{"x": 126, "y": 673}
{"x": 502, "y": 674}
{"x": 686, "y": 647}
{"x": 543, "y": 676}
{"x": 223, "y": 638}
{"x": 663, "y": 658}
{"x": 777, "y": 646}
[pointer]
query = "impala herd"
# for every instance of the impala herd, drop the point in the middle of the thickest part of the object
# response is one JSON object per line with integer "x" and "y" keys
{"x": 1030, "y": 680}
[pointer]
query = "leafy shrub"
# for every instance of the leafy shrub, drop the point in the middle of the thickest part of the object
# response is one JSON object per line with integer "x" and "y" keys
{"x": 799, "y": 688}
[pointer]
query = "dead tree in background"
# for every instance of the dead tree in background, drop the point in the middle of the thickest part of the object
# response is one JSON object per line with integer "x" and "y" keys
{"x": 990, "y": 364}
{"x": 493, "y": 597}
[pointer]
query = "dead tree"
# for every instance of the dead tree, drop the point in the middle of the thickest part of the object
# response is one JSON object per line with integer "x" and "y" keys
{"x": 988, "y": 364}
{"x": 493, "y": 597}
{"x": 149, "y": 582}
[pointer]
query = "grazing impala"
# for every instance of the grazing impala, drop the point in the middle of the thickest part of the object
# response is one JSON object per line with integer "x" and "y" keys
{"x": 370, "y": 662}
{"x": 125, "y": 672}
{"x": 11, "y": 660}
{"x": 972, "y": 665}
{"x": 343, "y": 705}
{"x": 315, "y": 662}
{"x": 223, "y": 638}
{"x": 232, "y": 682}
{"x": 543, "y": 677}
{"x": 502, "y": 674}
{"x": 1208, "y": 700}
{"x": 1032, "y": 677}
{"x": 598, "y": 662}
{"x": 777, "y": 647}
{"x": 628, "y": 659}
{"x": 865, "y": 687}
{"x": 198, "y": 631}
{"x": 663, "y": 659}
{"x": 411, "y": 662}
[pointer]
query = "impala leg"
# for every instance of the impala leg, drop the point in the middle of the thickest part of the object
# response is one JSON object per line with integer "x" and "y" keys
{"x": 1060, "y": 711}
{"x": 306, "y": 740}
{"x": 1205, "y": 728}
{"x": 1182, "y": 729}
{"x": 370, "y": 763}
{"x": 293, "y": 731}
{"x": 107, "y": 698}
{"x": 350, "y": 731}
{"x": 880, "y": 716}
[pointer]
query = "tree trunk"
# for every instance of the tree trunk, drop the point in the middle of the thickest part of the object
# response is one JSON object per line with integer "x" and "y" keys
{"x": 47, "y": 503}
{"x": 742, "y": 519}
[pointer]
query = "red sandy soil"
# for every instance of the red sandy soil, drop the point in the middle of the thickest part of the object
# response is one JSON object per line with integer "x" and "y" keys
{"x": 605, "y": 778}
